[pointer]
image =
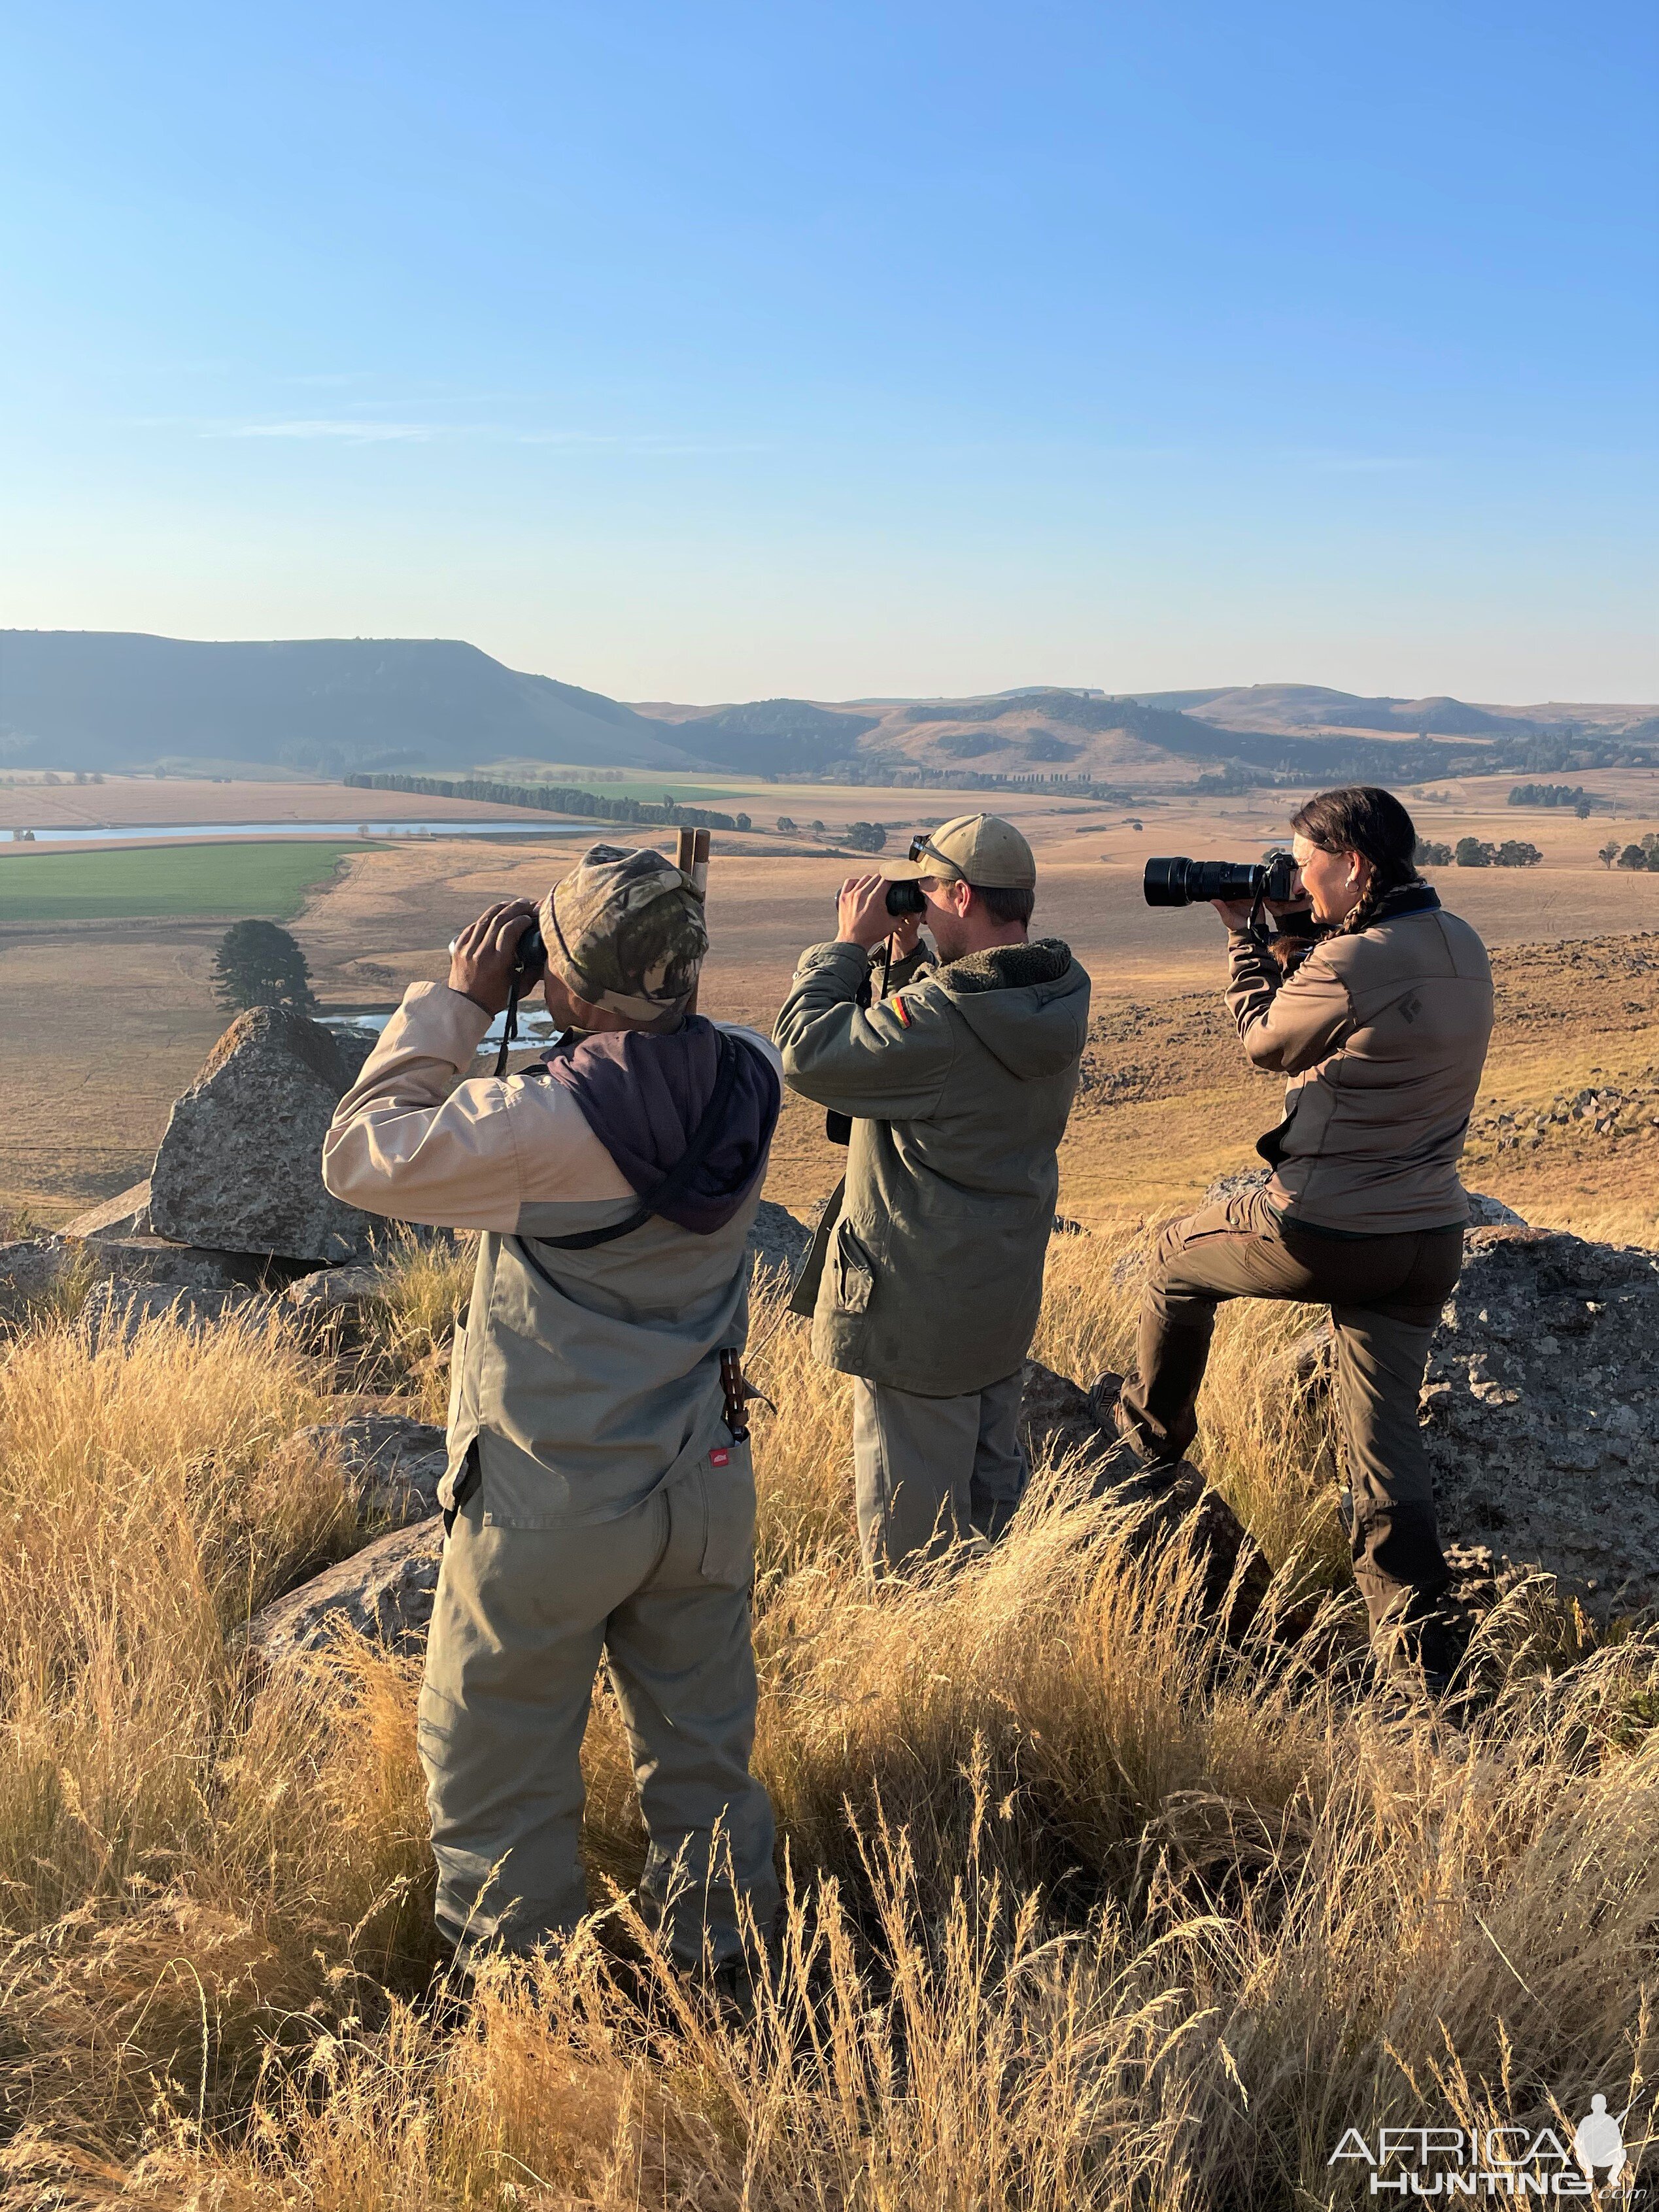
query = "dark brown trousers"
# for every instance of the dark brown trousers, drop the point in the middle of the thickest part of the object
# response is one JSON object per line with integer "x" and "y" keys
{"x": 1385, "y": 1294}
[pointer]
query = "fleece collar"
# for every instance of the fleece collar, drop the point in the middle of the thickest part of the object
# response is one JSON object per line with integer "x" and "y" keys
{"x": 1007, "y": 967}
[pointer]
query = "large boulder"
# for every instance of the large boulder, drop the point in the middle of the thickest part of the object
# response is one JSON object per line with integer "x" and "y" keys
{"x": 31, "y": 1268}
{"x": 239, "y": 1167}
{"x": 384, "y": 1591}
{"x": 178, "y": 1267}
{"x": 117, "y": 1308}
{"x": 1541, "y": 1411}
{"x": 126, "y": 1214}
{"x": 392, "y": 1465}
{"x": 777, "y": 1242}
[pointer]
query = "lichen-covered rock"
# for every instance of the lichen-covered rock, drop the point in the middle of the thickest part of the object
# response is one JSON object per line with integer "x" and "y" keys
{"x": 176, "y": 1266}
{"x": 335, "y": 1292}
{"x": 117, "y": 1308}
{"x": 126, "y": 1214}
{"x": 392, "y": 1464}
{"x": 31, "y": 1268}
{"x": 777, "y": 1242}
{"x": 384, "y": 1591}
{"x": 240, "y": 1169}
{"x": 1541, "y": 1407}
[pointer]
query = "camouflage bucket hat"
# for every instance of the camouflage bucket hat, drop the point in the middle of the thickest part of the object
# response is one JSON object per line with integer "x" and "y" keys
{"x": 625, "y": 930}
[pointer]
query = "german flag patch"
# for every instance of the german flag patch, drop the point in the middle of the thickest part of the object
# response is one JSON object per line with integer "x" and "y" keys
{"x": 901, "y": 1010}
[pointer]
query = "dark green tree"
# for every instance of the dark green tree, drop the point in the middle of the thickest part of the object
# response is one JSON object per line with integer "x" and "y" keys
{"x": 865, "y": 836}
{"x": 1472, "y": 853}
{"x": 259, "y": 965}
{"x": 1632, "y": 857}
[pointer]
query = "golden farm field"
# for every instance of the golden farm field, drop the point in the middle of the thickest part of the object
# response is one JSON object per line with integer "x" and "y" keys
{"x": 105, "y": 1023}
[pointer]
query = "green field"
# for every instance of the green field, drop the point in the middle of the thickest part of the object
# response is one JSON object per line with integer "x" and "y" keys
{"x": 241, "y": 878}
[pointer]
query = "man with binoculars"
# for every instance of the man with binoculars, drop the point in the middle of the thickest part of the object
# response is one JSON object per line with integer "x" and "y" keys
{"x": 600, "y": 1500}
{"x": 926, "y": 1272}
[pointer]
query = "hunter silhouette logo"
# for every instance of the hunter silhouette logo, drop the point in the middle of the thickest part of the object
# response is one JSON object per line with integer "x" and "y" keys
{"x": 1598, "y": 2143}
{"x": 1507, "y": 2162}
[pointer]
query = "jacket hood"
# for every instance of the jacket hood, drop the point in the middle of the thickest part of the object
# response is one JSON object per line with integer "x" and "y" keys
{"x": 1027, "y": 1004}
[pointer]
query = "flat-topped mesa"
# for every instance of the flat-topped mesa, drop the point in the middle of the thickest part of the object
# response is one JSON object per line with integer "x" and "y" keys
{"x": 239, "y": 1167}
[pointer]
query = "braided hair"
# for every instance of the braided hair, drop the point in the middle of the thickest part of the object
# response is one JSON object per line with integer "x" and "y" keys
{"x": 1364, "y": 818}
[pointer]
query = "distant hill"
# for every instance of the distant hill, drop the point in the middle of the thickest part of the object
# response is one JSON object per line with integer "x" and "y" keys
{"x": 104, "y": 699}
{"x": 111, "y": 699}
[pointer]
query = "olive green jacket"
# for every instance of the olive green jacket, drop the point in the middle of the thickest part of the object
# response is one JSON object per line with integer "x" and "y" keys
{"x": 959, "y": 1085}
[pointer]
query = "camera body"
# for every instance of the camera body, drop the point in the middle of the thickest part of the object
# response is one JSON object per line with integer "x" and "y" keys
{"x": 1194, "y": 882}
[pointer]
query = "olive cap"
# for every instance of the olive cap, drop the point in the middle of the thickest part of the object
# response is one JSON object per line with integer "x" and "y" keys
{"x": 981, "y": 849}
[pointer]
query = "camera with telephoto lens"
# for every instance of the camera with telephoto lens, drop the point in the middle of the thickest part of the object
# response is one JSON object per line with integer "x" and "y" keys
{"x": 1194, "y": 882}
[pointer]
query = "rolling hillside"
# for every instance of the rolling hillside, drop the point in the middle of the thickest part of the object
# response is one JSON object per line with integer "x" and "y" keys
{"x": 97, "y": 699}
{"x": 111, "y": 700}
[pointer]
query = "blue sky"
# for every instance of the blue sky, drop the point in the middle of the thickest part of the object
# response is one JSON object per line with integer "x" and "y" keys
{"x": 715, "y": 351}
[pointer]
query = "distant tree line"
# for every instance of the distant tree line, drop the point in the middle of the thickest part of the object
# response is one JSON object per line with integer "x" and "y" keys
{"x": 1557, "y": 794}
{"x": 1612, "y": 854}
{"x": 557, "y": 798}
{"x": 1471, "y": 852}
{"x": 1513, "y": 853}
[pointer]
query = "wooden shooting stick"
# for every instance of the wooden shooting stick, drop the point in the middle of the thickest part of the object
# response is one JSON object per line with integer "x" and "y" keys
{"x": 691, "y": 858}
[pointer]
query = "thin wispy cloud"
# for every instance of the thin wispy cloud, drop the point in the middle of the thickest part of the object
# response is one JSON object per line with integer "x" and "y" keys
{"x": 364, "y": 430}
{"x": 1340, "y": 464}
{"x": 362, "y": 433}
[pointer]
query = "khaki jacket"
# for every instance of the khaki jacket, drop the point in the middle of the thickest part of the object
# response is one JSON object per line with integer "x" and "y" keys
{"x": 590, "y": 1378}
{"x": 1384, "y": 1035}
{"x": 959, "y": 1085}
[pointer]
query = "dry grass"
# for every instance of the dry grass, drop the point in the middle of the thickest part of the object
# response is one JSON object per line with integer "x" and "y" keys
{"x": 1087, "y": 1908}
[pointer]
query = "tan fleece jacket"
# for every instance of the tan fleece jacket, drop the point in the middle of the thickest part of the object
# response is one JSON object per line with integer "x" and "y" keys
{"x": 1385, "y": 1034}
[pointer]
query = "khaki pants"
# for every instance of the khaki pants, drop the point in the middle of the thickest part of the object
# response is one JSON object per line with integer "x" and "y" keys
{"x": 1385, "y": 1294}
{"x": 521, "y": 1620}
{"x": 928, "y": 1472}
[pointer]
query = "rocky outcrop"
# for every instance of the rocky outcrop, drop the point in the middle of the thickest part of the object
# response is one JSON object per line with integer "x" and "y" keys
{"x": 237, "y": 1168}
{"x": 1541, "y": 1411}
{"x": 31, "y": 1268}
{"x": 115, "y": 1309}
{"x": 777, "y": 1242}
{"x": 153, "y": 1260}
{"x": 127, "y": 1214}
{"x": 335, "y": 1293}
{"x": 392, "y": 1465}
{"x": 1064, "y": 1426}
{"x": 384, "y": 1591}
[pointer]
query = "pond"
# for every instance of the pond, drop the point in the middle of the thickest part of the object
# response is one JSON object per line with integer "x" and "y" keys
{"x": 151, "y": 833}
{"x": 537, "y": 1029}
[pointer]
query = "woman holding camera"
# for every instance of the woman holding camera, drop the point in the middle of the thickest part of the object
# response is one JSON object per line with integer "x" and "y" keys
{"x": 1381, "y": 1026}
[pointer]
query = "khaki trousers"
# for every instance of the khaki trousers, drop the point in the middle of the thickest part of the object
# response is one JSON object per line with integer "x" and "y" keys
{"x": 1385, "y": 1294}
{"x": 928, "y": 1472}
{"x": 520, "y": 1623}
